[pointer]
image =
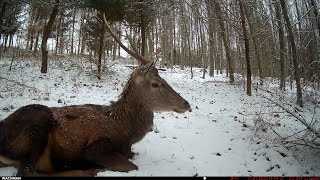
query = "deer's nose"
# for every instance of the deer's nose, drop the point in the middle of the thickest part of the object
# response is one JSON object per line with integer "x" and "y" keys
{"x": 187, "y": 105}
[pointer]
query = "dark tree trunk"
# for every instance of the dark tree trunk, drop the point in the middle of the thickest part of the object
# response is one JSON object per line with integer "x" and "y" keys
{"x": 58, "y": 34}
{"x": 253, "y": 28}
{"x": 211, "y": 25}
{"x": 72, "y": 34}
{"x": 294, "y": 52}
{"x": 225, "y": 42}
{"x": 10, "y": 40}
{"x": 316, "y": 14}
{"x": 35, "y": 49}
{"x": 101, "y": 46}
{"x": 3, "y": 10}
{"x": 5, "y": 43}
{"x": 31, "y": 41}
{"x": 247, "y": 49}
{"x": 61, "y": 36}
{"x": 46, "y": 32}
{"x": 282, "y": 46}
{"x": 143, "y": 36}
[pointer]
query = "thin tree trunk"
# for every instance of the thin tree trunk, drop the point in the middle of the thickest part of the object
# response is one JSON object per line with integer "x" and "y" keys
{"x": 253, "y": 29}
{"x": 10, "y": 40}
{"x": 31, "y": 41}
{"x": 211, "y": 36}
{"x": 299, "y": 22}
{"x": 58, "y": 34}
{"x": 118, "y": 46}
{"x": 247, "y": 48}
{"x": 61, "y": 35}
{"x": 2, "y": 12}
{"x": 282, "y": 46}
{"x": 35, "y": 49}
{"x": 5, "y": 42}
{"x": 225, "y": 42}
{"x": 220, "y": 54}
{"x": 294, "y": 52}
{"x": 72, "y": 33}
{"x": 46, "y": 32}
{"x": 143, "y": 27}
{"x": 316, "y": 14}
{"x": 81, "y": 31}
{"x": 101, "y": 47}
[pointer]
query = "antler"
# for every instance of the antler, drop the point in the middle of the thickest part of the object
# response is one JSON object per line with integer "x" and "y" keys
{"x": 139, "y": 57}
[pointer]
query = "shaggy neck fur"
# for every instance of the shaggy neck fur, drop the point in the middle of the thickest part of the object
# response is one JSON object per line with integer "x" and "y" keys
{"x": 131, "y": 112}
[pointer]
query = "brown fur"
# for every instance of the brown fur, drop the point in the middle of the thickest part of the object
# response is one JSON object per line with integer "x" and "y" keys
{"x": 24, "y": 134}
{"x": 96, "y": 136}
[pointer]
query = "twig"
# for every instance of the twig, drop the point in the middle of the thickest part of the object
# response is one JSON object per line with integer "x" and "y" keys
{"x": 18, "y": 83}
{"x": 265, "y": 90}
{"x": 304, "y": 144}
{"x": 303, "y": 121}
{"x": 294, "y": 134}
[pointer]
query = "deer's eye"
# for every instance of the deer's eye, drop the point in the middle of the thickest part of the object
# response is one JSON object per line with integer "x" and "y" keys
{"x": 155, "y": 85}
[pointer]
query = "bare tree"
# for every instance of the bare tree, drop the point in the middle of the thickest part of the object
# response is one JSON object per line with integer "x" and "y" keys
{"x": 225, "y": 39}
{"x": 247, "y": 48}
{"x": 282, "y": 46}
{"x": 46, "y": 32}
{"x": 294, "y": 53}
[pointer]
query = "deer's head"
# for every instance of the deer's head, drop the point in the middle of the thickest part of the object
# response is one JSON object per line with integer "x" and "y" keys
{"x": 154, "y": 92}
{"x": 150, "y": 89}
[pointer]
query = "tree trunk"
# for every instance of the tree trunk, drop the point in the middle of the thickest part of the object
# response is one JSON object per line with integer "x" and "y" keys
{"x": 118, "y": 46}
{"x": 72, "y": 33}
{"x": 253, "y": 29}
{"x": 294, "y": 52}
{"x": 211, "y": 36}
{"x": 45, "y": 36}
{"x": 219, "y": 55}
{"x": 316, "y": 14}
{"x": 61, "y": 35}
{"x": 143, "y": 27}
{"x": 81, "y": 31}
{"x": 58, "y": 33}
{"x": 10, "y": 40}
{"x": 225, "y": 39}
{"x": 282, "y": 46}
{"x": 5, "y": 42}
{"x": 101, "y": 47}
{"x": 31, "y": 41}
{"x": 2, "y": 12}
{"x": 247, "y": 48}
{"x": 35, "y": 49}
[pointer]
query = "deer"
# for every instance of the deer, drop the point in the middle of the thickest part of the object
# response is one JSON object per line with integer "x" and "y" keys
{"x": 81, "y": 140}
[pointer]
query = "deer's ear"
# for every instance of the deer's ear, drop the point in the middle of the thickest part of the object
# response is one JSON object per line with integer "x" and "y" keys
{"x": 138, "y": 77}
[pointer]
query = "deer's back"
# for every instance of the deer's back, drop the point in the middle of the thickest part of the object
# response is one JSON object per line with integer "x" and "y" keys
{"x": 79, "y": 126}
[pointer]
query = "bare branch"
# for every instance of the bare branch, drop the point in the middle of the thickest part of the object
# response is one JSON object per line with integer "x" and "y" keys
{"x": 303, "y": 121}
{"x": 16, "y": 82}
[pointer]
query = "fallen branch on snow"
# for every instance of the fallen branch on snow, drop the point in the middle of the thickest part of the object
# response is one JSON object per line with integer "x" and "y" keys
{"x": 18, "y": 83}
{"x": 303, "y": 121}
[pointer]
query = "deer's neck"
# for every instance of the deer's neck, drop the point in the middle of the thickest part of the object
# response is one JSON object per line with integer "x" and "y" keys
{"x": 137, "y": 119}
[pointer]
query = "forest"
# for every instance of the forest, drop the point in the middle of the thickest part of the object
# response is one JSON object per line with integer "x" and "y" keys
{"x": 267, "y": 51}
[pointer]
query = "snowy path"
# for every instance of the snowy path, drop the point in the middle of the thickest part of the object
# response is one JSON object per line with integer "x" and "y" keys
{"x": 209, "y": 141}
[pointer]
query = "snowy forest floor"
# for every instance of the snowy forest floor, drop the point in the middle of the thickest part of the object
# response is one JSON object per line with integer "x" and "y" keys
{"x": 227, "y": 134}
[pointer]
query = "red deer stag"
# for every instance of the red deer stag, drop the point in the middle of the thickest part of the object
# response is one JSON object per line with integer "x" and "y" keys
{"x": 74, "y": 139}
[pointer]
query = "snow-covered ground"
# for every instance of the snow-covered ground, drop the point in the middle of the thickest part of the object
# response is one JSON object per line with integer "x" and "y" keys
{"x": 217, "y": 138}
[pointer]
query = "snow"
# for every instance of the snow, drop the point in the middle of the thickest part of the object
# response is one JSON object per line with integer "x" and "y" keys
{"x": 217, "y": 138}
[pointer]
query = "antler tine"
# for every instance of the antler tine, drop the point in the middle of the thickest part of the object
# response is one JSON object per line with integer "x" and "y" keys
{"x": 135, "y": 55}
